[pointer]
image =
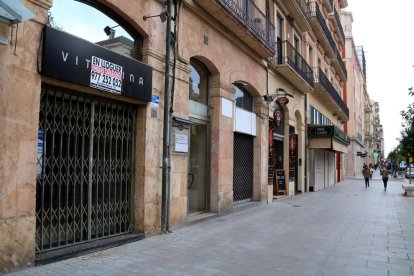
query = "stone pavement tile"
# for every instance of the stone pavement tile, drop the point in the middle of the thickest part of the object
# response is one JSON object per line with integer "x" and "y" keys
{"x": 401, "y": 262}
{"x": 158, "y": 271}
{"x": 348, "y": 261}
{"x": 328, "y": 272}
{"x": 31, "y": 272}
{"x": 224, "y": 266}
{"x": 362, "y": 249}
{"x": 402, "y": 253}
{"x": 260, "y": 272}
{"x": 390, "y": 244}
{"x": 366, "y": 257}
{"x": 334, "y": 266}
{"x": 136, "y": 268}
{"x": 395, "y": 273}
{"x": 355, "y": 270}
{"x": 394, "y": 267}
{"x": 97, "y": 268}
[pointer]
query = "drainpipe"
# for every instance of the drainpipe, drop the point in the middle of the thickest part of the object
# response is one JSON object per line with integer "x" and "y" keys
{"x": 165, "y": 122}
{"x": 306, "y": 144}
{"x": 174, "y": 45}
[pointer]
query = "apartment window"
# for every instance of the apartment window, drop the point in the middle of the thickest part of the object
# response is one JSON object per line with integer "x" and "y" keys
{"x": 310, "y": 56}
{"x": 296, "y": 43}
{"x": 279, "y": 28}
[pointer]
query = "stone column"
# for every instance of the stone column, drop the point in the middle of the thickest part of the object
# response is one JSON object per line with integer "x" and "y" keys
{"x": 19, "y": 120}
{"x": 261, "y": 150}
{"x": 221, "y": 150}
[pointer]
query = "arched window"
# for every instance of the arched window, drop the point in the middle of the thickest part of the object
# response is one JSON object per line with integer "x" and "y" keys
{"x": 198, "y": 82}
{"x": 109, "y": 30}
{"x": 242, "y": 98}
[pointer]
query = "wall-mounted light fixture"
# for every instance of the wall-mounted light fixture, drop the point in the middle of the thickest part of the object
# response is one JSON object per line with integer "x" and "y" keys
{"x": 163, "y": 16}
{"x": 110, "y": 31}
{"x": 280, "y": 92}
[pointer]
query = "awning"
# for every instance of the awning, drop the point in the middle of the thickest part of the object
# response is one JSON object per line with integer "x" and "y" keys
{"x": 338, "y": 146}
{"x": 323, "y": 143}
{"x": 14, "y": 11}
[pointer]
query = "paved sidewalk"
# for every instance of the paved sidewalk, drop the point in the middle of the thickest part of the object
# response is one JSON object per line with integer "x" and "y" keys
{"x": 343, "y": 230}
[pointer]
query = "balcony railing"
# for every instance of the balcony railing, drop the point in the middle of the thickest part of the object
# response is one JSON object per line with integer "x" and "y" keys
{"x": 327, "y": 85}
{"x": 341, "y": 63}
{"x": 315, "y": 12}
{"x": 339, "y": 25}
{"x": 253, "y": 17}
{"x": 304, "y": 6}
{"x": 286, "y": 53}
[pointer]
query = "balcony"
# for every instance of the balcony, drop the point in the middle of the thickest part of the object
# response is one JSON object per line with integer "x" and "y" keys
{"x": 299, "y": 11}
{"x": 321, "y": 29}
{"x": 290, "y": 64}
{"x": 325, "y": 91}
{"x": 339, "y": 66}
{"x": 246, "y": 21}
{"x": 338, "y": 26}
{"x": 328, "y": 4}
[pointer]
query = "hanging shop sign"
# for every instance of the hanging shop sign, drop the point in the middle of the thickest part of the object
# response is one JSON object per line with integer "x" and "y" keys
{"x": 278, "y": 120}
{"x": 69, "y": 58}
{"x": 282, "y": 101}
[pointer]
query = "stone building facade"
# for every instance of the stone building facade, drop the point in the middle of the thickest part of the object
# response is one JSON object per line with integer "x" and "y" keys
{"x": 256, "y": 112}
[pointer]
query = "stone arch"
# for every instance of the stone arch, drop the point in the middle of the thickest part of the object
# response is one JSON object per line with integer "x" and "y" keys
{"x": 119, "y": 15}
{"x": 208, "y": 63}
{"x": 249, "y": 88}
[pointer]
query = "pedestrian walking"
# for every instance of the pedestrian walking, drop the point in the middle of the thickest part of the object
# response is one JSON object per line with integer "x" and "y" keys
{"x": 371, "y": 171}
{"x": 385, "y": 178}
{"x": 366, "y": 173}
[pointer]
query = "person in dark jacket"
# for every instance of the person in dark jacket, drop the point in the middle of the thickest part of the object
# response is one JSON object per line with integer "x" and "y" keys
{"x": 366, "y": 173}
{"x": 385, "y": 178}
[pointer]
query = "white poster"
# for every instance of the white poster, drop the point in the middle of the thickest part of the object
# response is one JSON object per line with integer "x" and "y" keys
{"x": 106, "y": 75}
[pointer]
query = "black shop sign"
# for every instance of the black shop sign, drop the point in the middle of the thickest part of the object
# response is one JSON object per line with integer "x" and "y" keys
{"x": 321, "y": 131}
{"x": 69, "y": 58}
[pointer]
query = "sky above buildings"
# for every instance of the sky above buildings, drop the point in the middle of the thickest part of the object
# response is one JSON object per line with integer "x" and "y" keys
{"x": 384, "y": 29}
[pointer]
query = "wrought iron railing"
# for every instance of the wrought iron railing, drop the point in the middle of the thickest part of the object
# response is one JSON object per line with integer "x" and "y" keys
{"x": 286, "y": 53}
{"x": 341, "y": 63}
{"x": 327, "y": 85}
{"x": 84, "y": 170}
{"x": 253, "y": 17}
{"x": 315, "y": 12}
{"x": 338, "y": 22}
{"x": 304, "y": 6}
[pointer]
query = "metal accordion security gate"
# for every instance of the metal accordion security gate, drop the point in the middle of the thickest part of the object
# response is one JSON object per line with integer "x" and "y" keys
{"x": 242, "y": 167}
{"x": 84, "y": 169}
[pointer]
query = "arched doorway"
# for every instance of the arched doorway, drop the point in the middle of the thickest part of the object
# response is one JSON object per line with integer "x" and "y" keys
{"x": 86, "y": 134}
{"x": 198, "y": 188}
{"x": 242, "y": 147}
